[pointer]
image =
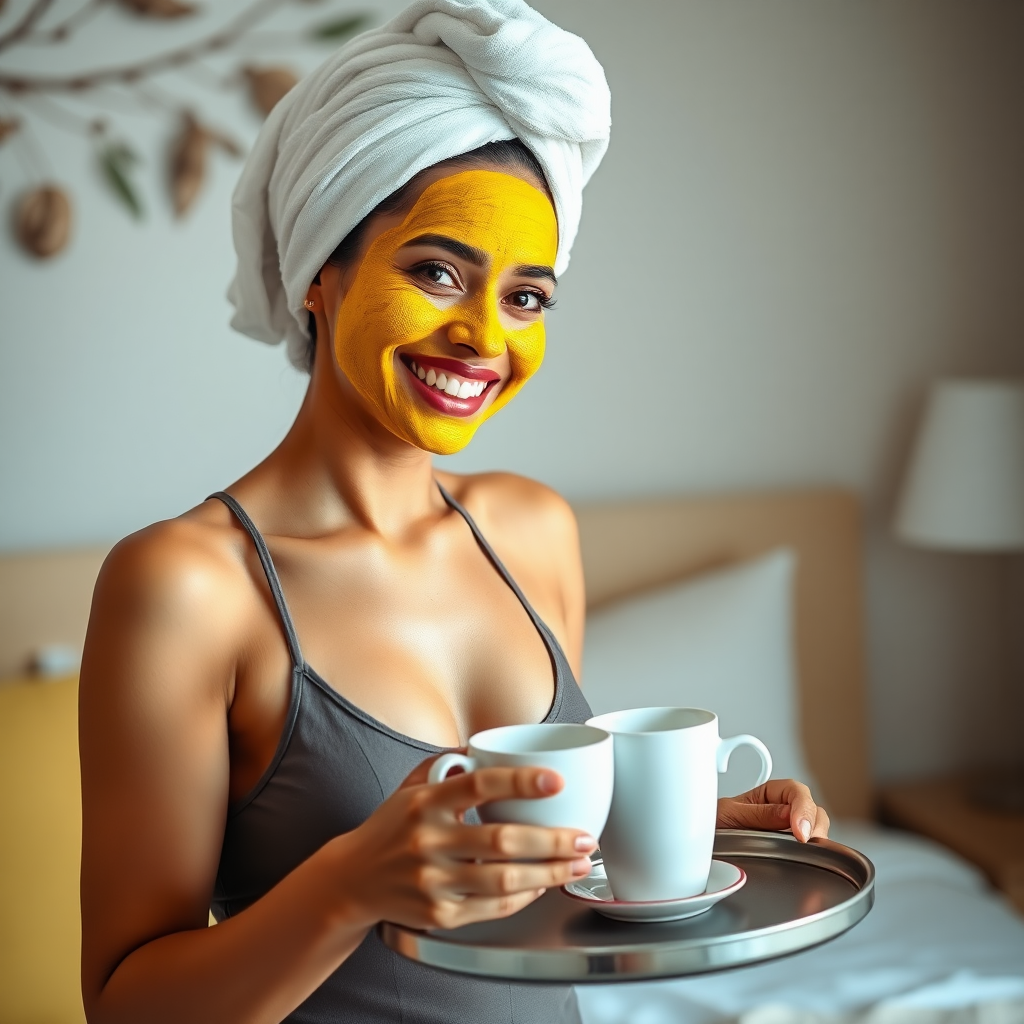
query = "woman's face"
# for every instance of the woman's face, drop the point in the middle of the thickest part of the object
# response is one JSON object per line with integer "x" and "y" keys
{"x": 442, "y": 321}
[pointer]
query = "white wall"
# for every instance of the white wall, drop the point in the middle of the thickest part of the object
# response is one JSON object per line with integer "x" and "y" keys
{"x": 808, "y": 210}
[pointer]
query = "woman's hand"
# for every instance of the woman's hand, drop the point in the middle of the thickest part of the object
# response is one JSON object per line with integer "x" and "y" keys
{"x": 777, "y": 806}
{"x": 415, "y": 862}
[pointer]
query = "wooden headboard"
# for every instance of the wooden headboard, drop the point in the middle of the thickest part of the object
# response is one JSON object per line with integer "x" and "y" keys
{"x": 627, "y": 547}
{"x": 630, "y": 546}
{"x": 44, "y": 599}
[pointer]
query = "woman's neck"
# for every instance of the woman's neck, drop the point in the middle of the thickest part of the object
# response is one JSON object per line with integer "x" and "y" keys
{"x": 338, "y": 465}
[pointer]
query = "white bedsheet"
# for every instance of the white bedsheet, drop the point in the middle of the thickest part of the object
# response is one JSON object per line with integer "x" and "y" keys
{"x": 939, "y": 947}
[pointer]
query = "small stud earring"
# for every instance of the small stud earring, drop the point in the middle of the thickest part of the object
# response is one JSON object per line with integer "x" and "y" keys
{"x": 310, "y": 303}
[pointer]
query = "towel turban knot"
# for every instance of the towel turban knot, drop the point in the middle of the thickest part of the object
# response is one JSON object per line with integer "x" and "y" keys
{"x": 442, "y": 78}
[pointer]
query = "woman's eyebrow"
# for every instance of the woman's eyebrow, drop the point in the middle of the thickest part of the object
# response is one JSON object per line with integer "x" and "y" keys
{"x": 535, "y": 270}
{"x": 478, "y": 257}
{"x": 468, "y": 253}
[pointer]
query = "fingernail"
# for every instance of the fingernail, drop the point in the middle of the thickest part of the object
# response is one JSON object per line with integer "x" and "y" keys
{"x": 581, "y": 866}
{"x": 805, "y": 829}
{"x": 585, "y": 843}
{"x": 547, "y": 782}
{"x": 540, "y": 892}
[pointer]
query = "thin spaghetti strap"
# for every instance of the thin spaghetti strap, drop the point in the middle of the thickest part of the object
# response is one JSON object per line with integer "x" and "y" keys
{"x": 541, "y": 625}
{"x": 272, "y": 578}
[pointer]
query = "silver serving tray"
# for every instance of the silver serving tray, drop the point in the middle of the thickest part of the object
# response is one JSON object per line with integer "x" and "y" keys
{"x": 797, "y": 895}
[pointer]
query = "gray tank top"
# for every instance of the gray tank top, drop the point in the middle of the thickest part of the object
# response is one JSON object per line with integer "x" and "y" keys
{"x": 334, "y": 765}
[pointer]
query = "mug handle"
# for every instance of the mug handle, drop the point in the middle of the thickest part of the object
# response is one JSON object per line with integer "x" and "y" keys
{"x": 446, "y": 762}
{"x": 726, "y": 747}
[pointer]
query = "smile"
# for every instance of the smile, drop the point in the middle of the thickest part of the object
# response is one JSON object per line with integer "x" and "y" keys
{"x": 449, "y": 385}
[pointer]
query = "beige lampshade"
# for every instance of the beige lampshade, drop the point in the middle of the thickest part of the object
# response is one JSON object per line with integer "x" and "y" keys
{"x": 965, "y": 486}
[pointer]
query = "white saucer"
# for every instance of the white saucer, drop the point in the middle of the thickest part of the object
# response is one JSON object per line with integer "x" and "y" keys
{"x": 724, "y": 880}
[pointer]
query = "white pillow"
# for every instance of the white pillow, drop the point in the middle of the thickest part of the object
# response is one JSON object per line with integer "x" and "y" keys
{"x": 722, "y": 641}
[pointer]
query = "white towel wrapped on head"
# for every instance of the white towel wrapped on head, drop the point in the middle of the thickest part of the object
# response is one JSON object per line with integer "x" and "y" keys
{"x": 439, "y": 80}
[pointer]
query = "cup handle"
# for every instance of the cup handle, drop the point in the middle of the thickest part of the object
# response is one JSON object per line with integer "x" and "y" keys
{"x": 726, "y": 747}
{"x": 444, "y": 764}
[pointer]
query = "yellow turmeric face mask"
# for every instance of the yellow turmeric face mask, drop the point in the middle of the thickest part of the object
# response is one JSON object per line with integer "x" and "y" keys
{"x": 443, "y": 321}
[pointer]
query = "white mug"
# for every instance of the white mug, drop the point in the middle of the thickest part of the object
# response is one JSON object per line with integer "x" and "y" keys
{"x": 660, "y": 833}
{"x": 581, "y": 754}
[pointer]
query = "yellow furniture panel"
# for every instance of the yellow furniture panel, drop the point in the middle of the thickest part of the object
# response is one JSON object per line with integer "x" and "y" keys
{"x": 40, "y": 851}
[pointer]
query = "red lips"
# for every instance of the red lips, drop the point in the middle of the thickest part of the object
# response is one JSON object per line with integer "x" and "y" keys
{"x": 437, "y": 399}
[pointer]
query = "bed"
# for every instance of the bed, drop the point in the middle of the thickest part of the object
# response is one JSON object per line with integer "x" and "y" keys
{"x": 749, "y": 604}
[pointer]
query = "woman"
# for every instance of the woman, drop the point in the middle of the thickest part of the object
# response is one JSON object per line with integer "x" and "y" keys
{"x": 447, "y": 153}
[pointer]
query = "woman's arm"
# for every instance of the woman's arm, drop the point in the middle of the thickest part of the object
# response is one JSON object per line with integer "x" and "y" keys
{"x": 157, "y": 685}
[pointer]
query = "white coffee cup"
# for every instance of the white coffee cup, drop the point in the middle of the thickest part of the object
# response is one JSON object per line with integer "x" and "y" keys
{"x": 660, "y": 833}
{"x": 582, "y": 754}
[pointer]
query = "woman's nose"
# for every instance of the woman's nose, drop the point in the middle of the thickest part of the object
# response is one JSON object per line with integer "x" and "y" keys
{"x": 481, "y": 331}
{"x": 460, "y": 334}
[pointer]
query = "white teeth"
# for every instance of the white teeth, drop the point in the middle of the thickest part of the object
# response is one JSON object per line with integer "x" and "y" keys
{"x": 450, "y": 385}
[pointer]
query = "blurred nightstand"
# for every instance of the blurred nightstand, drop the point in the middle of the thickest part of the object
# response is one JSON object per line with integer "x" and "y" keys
{"x": 943, "y": 810}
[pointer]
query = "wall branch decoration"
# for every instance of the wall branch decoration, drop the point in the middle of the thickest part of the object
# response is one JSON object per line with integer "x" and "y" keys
{"x": 91, "y": 102}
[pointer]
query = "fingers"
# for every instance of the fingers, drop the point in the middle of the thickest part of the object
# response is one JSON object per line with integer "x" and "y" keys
{"x": 806, "y": 818}
{"x": 450, "y": 892}
{"x": 802, "y": 809}
{"x": 821, "y": 824}
{"x": 449, "y": 873}
{"x": 517, "y": 842}
{"x": 486, "y": 784}
{"x": 763, "y": 817}
{"x": 795, "y": 809}
{"x": 510, "y": 879}
{"x": 776, "y": 791}
{"x": 488, "y": 908}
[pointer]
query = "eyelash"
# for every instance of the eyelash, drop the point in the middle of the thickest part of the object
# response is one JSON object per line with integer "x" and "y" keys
{"x": 420, "y": 268}
{"x": 543, "y": 300}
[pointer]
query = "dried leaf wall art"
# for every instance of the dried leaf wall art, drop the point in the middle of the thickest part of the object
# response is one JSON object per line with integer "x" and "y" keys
{"x": 337, "y": 31}
{"x": 43, "y": 221}
{"x": 42, "y": 215}
{"x": 159, "y": 8}
{"x": 117, "y": 160}
{"x": 268, "y": 85}
{"x": 189, "y": 158}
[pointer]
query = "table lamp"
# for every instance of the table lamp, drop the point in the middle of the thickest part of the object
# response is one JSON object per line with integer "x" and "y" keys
{"x": 964, "y": 490}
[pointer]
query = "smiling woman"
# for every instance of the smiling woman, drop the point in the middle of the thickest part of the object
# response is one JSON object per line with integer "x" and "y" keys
{"x": 220, "y": 769}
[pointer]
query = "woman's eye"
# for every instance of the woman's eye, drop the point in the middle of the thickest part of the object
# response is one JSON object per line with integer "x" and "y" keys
{"x": 437, "y": 274}
{"x": 528, "y": 301}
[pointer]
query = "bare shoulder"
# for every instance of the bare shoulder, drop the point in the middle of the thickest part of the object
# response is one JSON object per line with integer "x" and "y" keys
{"x": 181, "y": 566}
{"x": 533, "y": 530}
{"x": 515, "y": 509}
{"x": 174, "y": 586}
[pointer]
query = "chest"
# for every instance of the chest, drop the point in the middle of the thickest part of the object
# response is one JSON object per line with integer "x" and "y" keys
{"x": 432, "y": 641}
{"x": 435, "y": 648}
